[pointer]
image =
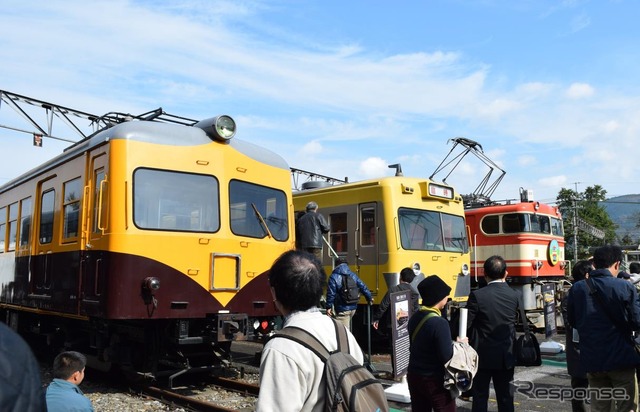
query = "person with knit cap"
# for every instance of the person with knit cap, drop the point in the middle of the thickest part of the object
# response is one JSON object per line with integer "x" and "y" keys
{"x": 430, "y": 348}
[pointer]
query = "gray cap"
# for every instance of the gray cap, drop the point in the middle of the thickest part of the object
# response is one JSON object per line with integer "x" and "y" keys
{"x": 312, "y": 206}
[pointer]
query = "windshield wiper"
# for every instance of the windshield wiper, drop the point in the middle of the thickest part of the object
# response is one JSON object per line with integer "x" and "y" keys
{"x": 262, "y": 222}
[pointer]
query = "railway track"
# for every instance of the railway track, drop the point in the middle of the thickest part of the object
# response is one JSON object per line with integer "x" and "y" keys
{"x": 174, "y": 398}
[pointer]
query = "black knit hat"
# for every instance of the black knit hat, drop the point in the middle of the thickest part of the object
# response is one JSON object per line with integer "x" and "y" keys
{"x": 432, "y": 290}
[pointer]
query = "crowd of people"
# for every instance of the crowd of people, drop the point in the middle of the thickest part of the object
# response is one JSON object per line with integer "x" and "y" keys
{"x": 601, "y": 314}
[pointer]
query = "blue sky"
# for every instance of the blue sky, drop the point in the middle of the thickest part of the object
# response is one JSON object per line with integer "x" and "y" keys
{"x": 550, "y": 89}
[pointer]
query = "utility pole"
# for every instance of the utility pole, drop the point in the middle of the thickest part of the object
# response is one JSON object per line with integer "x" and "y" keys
{"x": 575, "y": 225}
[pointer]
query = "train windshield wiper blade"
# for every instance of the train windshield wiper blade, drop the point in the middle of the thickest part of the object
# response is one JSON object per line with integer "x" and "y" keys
{"x": 263, "y": 224}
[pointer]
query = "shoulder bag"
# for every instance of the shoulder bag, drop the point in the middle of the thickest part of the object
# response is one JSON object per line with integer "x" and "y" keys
{"x": 526, "y": 348}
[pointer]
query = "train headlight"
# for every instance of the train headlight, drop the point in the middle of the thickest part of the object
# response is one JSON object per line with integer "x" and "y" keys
{"x": 536, "y": 264}
{"x": 465, "y": 269}
{"x": 221, "y": 128}
{"x": 151, "y": 283}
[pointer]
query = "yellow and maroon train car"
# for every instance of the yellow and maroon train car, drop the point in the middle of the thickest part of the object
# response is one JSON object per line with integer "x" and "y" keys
{"x": 146, "y": 244}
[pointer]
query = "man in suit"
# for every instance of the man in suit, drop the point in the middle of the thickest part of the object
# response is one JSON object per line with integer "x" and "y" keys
{"x": 492, "y": 330}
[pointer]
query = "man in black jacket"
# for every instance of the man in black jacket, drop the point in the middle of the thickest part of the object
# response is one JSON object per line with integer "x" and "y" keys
{"x": 309, "y": 230}
{"x": 605, "y": 311}
{"x": 492, "y": 330}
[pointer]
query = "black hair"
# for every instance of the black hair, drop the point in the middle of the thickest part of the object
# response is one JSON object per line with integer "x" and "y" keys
{"x": 581, "y": 269}
{"x": 495, "y": 267}
{"x": 605, "y": 256}
{"x": 407, "y": 275}
{"x": 68, "y": 363}
{"x": 298, "y": 280}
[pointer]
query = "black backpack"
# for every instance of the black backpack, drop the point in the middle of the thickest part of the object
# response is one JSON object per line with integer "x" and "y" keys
{"x": 349, "y": 290}
{"x": 350, "y": 386}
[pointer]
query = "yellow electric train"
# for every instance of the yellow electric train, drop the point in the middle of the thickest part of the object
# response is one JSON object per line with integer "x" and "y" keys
{"x": 384, "y": 225}
{"x": 146, "y": 245}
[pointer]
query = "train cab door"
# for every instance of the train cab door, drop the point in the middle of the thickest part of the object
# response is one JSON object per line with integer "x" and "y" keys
{"x": 93, "y": 267}
{"x": 42, "y": 264}
{"x": 367, "y": 244}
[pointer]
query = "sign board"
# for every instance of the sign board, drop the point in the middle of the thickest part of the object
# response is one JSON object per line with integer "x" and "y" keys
{"x": 400, "y": 312}
{"x": 548, "y": 294}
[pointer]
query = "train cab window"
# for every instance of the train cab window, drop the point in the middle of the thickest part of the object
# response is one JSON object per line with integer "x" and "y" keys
{"x": 258, "y": 211}
{"x": 556, "y": 227}
{"x": 455, "y": 234}
{"x": 25, "y": 222}
{"x": 175, "y": 201}
{"x": 540, "y": 224}
{"x": 71, "y": 196}
{"x": 13, "y": 226}
{"x": 3, "y": 228}
{"x": 339, "y": 235}
{"x": 515, "y": 223}
{"x": 490, "y": 224}
{"x": 46, "y": 217}
{"x": 420, "y": 229}
{"x": 368, "y": 224}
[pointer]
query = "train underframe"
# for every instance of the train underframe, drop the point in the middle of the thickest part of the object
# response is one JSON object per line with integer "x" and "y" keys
{"x": 537, "y": 298}
{"x": 157, "y": 350}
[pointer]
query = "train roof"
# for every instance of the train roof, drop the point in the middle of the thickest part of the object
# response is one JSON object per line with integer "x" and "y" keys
{"x": 532, "y": 207}
{"x": 324, "y": 187}
{"x": 150, "y": 132}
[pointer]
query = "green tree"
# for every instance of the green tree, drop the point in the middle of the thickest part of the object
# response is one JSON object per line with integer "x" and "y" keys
{"x": 584, "y": 206}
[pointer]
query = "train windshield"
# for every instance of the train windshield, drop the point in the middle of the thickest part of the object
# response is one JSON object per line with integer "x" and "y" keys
{"x": 175, "y": 201}
{"x": 531, "y": 223}
{"x": 429, "y": 230}
{"x": 258, "y": 211}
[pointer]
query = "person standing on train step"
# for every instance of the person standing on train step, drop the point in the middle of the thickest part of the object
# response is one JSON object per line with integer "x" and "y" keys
{"x": 63, "y": 393}
{"x": 291, "y": 376}
{"x": 606, "y": 311}
{"x": 310, "y": 228}
{"x": 575, "y": 367}
{"x": 491, "y": 324}
{"x": 337, "y": 307}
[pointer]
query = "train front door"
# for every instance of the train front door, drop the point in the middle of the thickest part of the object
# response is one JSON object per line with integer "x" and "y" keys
{"x": 95, "y": 214}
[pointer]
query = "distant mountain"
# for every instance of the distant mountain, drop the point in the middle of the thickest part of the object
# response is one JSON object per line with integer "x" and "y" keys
{"x": 625, "y": 212}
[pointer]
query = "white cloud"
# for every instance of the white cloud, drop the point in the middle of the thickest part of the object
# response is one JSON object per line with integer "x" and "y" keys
{"x": 527, "y": 160}
{"x": 374, "y": 167}
{"x": 579, "y": 91}
{"x": 553, "y": 181}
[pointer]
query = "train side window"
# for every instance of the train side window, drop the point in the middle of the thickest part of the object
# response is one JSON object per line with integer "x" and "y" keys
{"x": 3, "y": 228}
{"x": 368, "y": 224}
{"x": 490, "y": 224}
{"x": 339, "y": 235}
{"x": 25, "y": 221}
{"x": 98, "y": 178}
{"x": 13, "y": 226}
{"x": 72, "y": 194}
{"x": 46, "y": 216}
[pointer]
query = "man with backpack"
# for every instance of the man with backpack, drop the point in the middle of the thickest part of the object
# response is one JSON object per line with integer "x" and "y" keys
{"x": 297, "y": 371}
{"x": 343, "y": 292}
